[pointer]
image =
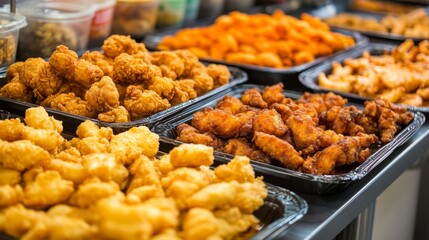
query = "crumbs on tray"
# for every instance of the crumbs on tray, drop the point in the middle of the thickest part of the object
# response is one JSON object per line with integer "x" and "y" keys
{"x": 105, "y": 186}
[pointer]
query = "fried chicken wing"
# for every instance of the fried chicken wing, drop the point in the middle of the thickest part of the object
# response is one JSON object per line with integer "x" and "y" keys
{"x": 273, "y": 94}
{"x": 103, "y": 95}
{"x": 270, "y": 122}
{"x": 241, "y": 147}
{"x": 223, "y": 124}
{"x": 144, "y": 103}
{"x": 69, "y": 103}
{"x": 189, "y": 134}
{"x": 306, "y": 134}
{"x": 278, "y": 149}
{"x": 253, "y": 97}
{"x": 114, "y": 45}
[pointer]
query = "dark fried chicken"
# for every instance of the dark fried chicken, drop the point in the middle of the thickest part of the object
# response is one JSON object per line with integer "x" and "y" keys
{"x": 273, "y": 94}
{"x": 270, "y": 122}
{"x": 253, "y": 97}
{"x": 241, "y": 147}
{"x": 189, "y": 134}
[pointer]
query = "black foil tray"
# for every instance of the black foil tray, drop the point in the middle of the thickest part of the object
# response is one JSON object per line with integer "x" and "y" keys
{"x": 71, "y": 121}
{"x": 294, "y": 180}
{"x": 265, "y": 75}
{"x": 280, "y": 210}
{"x": 309, "y": 78}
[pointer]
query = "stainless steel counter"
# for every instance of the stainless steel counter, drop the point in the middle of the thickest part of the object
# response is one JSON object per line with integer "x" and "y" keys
{"x": 329, "y": 215}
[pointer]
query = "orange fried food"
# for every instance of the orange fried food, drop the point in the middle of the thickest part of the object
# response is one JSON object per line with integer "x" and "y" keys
{"x": 270, "y": 122}
{"x": 163, "y": 86}
{"x": 13, "y": 70}
{"x": 144, "y": 103}
{"x": 253, "y": 97}
{"x": 279, "y": 150}
{"x": 117, "y": 44}
{"x": 347, "y": 150}
{"x": 69, "y": 103}
{"x": 219, "y": 73}
{"x": 15, "y": 89}
{"x": 99, "y": 59}
{"x": 241, "y": 147}
{"x": 30, "y": 69}
{"x": 189, "y": 134}
{"x": 223, "y": 124}
{"x": 273, "y": 94}
{"x": 45, "y": 82}
{"x": 103, "y": 95}
{"x": 321, "y": 102}
{"x": 231, "y": 104}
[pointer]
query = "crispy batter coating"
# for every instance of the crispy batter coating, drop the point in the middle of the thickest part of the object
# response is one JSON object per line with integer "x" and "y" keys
{"x": 321, "y": 102}
{"x": 69, "y": 103}
{"x": 30, "y": 69}
{"x": 63, "y": 61}
{"x": 90, "y": 129}
{"x": 203, "y": 81}
{"x": 13, "y": 70}
{"x": 238, "y": 169}
{"x": 273, "y": 94}
{"x": 114, "y": 45}
{"x": 144, "y": 103}
{"x": 103, "y": 95}
{"x": 99, "y": 59}
{"x": 10, "y": 195}
{"x": 189, "y": 134}
{"x": 278, "y": 149}
{"x": 241, "y": 147}
{"x": 17, "y": 90}
{"x": 223, "y": 124}
{"x": 119, "y": 114}
{"x": 92, "y": 190}
{"x": 38, "y": 118}
{"x": 191, "y": 156}
{"x": 219, "y": 73}
{"x": 253, "y": 97}
{"x": 163, "y": 86}
{"x": 270, "y": 122}
{"x": 230, "y": 104}
{"x": 22, "y": 154}
{"x": 130, "y": 70}
{"x": 9, "y": 176}
{"x": 170, "y": 64}
{"x": 45, "y": 82}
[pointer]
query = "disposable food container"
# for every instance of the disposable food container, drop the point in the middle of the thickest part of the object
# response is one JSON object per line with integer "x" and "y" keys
{"x": 294, "y": 180}
{"x": 72, "y": 121}
{"x": 101, "y": 24}
{"x": 135, "y": 17}
{"x": 51, "y": 24}
{"x": 171, "y": 13}
{"x": 191, "y": 12}
{"x": 280, "y": 210}
{"x": 10, "y": 24}
{"x": 265, "y": 75}
{"x": 309, "y": 78}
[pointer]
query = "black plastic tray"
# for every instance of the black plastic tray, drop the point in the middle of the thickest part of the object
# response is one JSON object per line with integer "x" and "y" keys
{"x": 266, "y": 75}
{"x": 374, "y": 34}
{"x": 281, "y": 207}
{"x": 71, "y": 121}
{"x": 309, "y": 78}
{"x": 294, "y": 180}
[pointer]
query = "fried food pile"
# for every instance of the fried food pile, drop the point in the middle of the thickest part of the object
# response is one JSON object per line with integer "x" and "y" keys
{"x": 123, "y": 82}
{"x": 400, "y": 76}
{"x": 315, "y": 134}
{"x": 105, "y": 186}
{"x": 277, "y": 40}
{"x": 413, "y": 24}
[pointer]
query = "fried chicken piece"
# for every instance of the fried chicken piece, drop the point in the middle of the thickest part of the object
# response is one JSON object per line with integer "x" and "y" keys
{"x": 103, "y": 95}
{"x": 189, "y": 134}
{"x": 99, "y": 59}
{"x": 342, "y": 120}
{"x": 136, "y": 141}
{"x": 130, "y": 70}
{"x": 11, "y": 129}
{"x": 69, "y": 103}
{"x": 306, "y": 133}
{"x": 390, "y": 118}
{"x": 163, "y": 86}
{"x": 49, "y": 140}
{"x": 321, "y": 102}
{"x": 114, "y": 45}
{"x": 144, "y": 173}
{"x": 144, "y": 103}
{"x": 90, "y": 129}
{"x": 238, "y": 169}
{"x": 241, "y": 147}
{"x": 16, "y": 90}
{"x": 45, "y": 82}
{"x": 170, "y": 64}
{"x": 273, "y": 94}
{"x": 284, "y": 111}
{"x": 63, "y": 61}
{"x": 189, "y": 59}
{"x": 278, "y": 149}
{"x": 219, "y": 73}
{"x": 233, "y": 105}
{"x": 191, "y": 155}
{"x": 10, "y": 195}
{"x": 223, "y": 124}
{"x": 203, "y": 81}
{"x": 346, "y": 151}
{"x": 38, "y": 118}
{"x": 89, "y": 145}
{"x": 13, "y": 70}
{"x": 92, "y": 190}
{"x": 270, "y": 122}
{"x": 119, "y": 114}
{"x": 183, "y": 91}
{"x": 86, "y": 73}
{"x": 73, "y": 87}
{"x": 46, "y": 190}
{"x": 253, "y": 97}
{"x": 30, "y": 69}
{"x": 22, "y": 154}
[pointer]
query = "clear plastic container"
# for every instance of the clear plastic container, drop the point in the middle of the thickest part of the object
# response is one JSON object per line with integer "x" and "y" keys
{"x": 9, "y": 34}
{"x": 210, "y": 8}
{"x": 51, "y": 24}
{"x": 191, "y": 12}
{"x": 101, "y": 23}
{"x": 171, "y": 13}
{"x": 135, "y": 17}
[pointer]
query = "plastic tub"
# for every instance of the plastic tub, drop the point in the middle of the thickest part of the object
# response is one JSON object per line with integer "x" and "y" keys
{"x": 210, "y": 8}
{"x": 135, "y": 17}
{"x": 171, "y": 13}
{"x": 51, "y": 24}
{"x": 9, "y": 34}
{"x": 191, "y": 12}
{"x": 101, "y": 23}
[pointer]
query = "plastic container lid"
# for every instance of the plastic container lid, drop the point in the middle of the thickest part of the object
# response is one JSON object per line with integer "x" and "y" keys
{"x": 55, "y": 11}
{"x": 14, "y": 23}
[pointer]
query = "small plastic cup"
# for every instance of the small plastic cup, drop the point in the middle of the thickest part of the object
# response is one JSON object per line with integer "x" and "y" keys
{"x": 171, "y": 13}
{"x": 101, "y": 24}
{"x": 51, "y": 24}
{"x": 9, "y": 33}
{"x": 191, "y": 12}
{"x": 135, "y": 17}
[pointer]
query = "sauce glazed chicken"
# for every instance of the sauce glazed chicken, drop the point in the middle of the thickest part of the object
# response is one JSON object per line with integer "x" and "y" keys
{"x": 315, "y": 134}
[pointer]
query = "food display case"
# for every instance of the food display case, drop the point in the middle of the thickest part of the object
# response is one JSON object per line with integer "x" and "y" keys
{"x": 298, "y": 205}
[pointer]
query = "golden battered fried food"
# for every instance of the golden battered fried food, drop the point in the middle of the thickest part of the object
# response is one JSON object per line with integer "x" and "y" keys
{"x": 21, "y": 154}
{"x": 170, "y": 64}
{"x": 16, "y": 90}
{"x": 241, "y": 147}
{"x": 189, "y": 134}
{"x": 273, "y": 94}
{"x": 119, "y": 114}
{"x": 69, "y": 103}
{"x": 99, "y": 59}
{"x": 103, "y": 95}
{"x": 38, "y": 118}
{"x": 219, "y": 73}
{"x": 253, "y": 98}
{"x": 144, "y": 103}
{"x": 270, "y": 122}
{"x": 130, "y": 70}
{"x": 117, "y": 44}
